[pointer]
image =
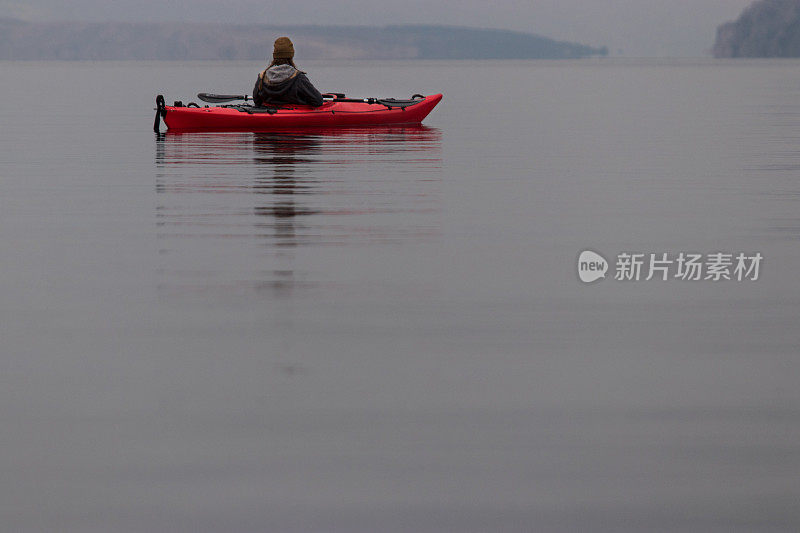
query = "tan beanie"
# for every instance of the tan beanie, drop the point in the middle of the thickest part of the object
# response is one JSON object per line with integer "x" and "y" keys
{"x": 284, "y": 49}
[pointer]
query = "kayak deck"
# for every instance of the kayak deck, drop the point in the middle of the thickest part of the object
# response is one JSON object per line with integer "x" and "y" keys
{"x": 339, "y": 112}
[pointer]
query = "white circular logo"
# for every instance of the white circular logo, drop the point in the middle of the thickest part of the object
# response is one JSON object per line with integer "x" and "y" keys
{"x": 591, "y": 266}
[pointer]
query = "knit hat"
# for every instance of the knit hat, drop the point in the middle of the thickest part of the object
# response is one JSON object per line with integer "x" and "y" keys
{"x": 284, "y": 49}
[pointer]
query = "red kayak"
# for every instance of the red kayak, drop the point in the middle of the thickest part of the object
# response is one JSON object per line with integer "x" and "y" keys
{"x": 335, "y": 112}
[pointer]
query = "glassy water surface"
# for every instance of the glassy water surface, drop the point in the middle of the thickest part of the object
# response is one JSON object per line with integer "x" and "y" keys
{"x": 383, "y": 329}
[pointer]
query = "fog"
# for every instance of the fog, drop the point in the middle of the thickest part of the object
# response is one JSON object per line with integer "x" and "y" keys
{"x": 627, "y": 27}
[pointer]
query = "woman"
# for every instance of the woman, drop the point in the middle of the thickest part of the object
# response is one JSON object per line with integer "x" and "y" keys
{"x": 282, "y": 82}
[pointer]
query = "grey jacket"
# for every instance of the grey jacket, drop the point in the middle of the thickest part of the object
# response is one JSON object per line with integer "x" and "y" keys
{"x": 284, "y": 84}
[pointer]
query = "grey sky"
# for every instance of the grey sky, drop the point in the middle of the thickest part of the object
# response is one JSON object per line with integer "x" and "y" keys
{"x": 637, "y": 27}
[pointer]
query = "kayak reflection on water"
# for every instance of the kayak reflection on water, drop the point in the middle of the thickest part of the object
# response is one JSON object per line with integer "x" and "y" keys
{"x": 278, "y": 205}
{"x": 277, "y": 158}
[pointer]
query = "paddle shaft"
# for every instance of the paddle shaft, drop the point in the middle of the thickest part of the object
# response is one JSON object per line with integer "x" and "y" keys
{"x": 220, "y": 98}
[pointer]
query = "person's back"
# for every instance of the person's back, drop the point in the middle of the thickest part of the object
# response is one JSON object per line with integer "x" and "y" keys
{"x": 282, "y": 82}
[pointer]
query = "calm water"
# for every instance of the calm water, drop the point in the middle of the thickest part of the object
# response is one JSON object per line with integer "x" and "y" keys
{"x": 384, "y": 330}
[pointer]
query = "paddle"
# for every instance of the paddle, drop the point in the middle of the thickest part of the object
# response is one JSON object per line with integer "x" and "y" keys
{"x": 219, "y": 98}
{"x": 335, "y": 97}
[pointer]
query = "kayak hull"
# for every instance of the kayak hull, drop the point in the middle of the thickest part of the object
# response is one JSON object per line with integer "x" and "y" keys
{"x": 330, "y": 114}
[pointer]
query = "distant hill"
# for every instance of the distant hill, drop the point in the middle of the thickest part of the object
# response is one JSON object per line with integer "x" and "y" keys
{"x": 767, "y": 28}
{"x": 184, "y": 41}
